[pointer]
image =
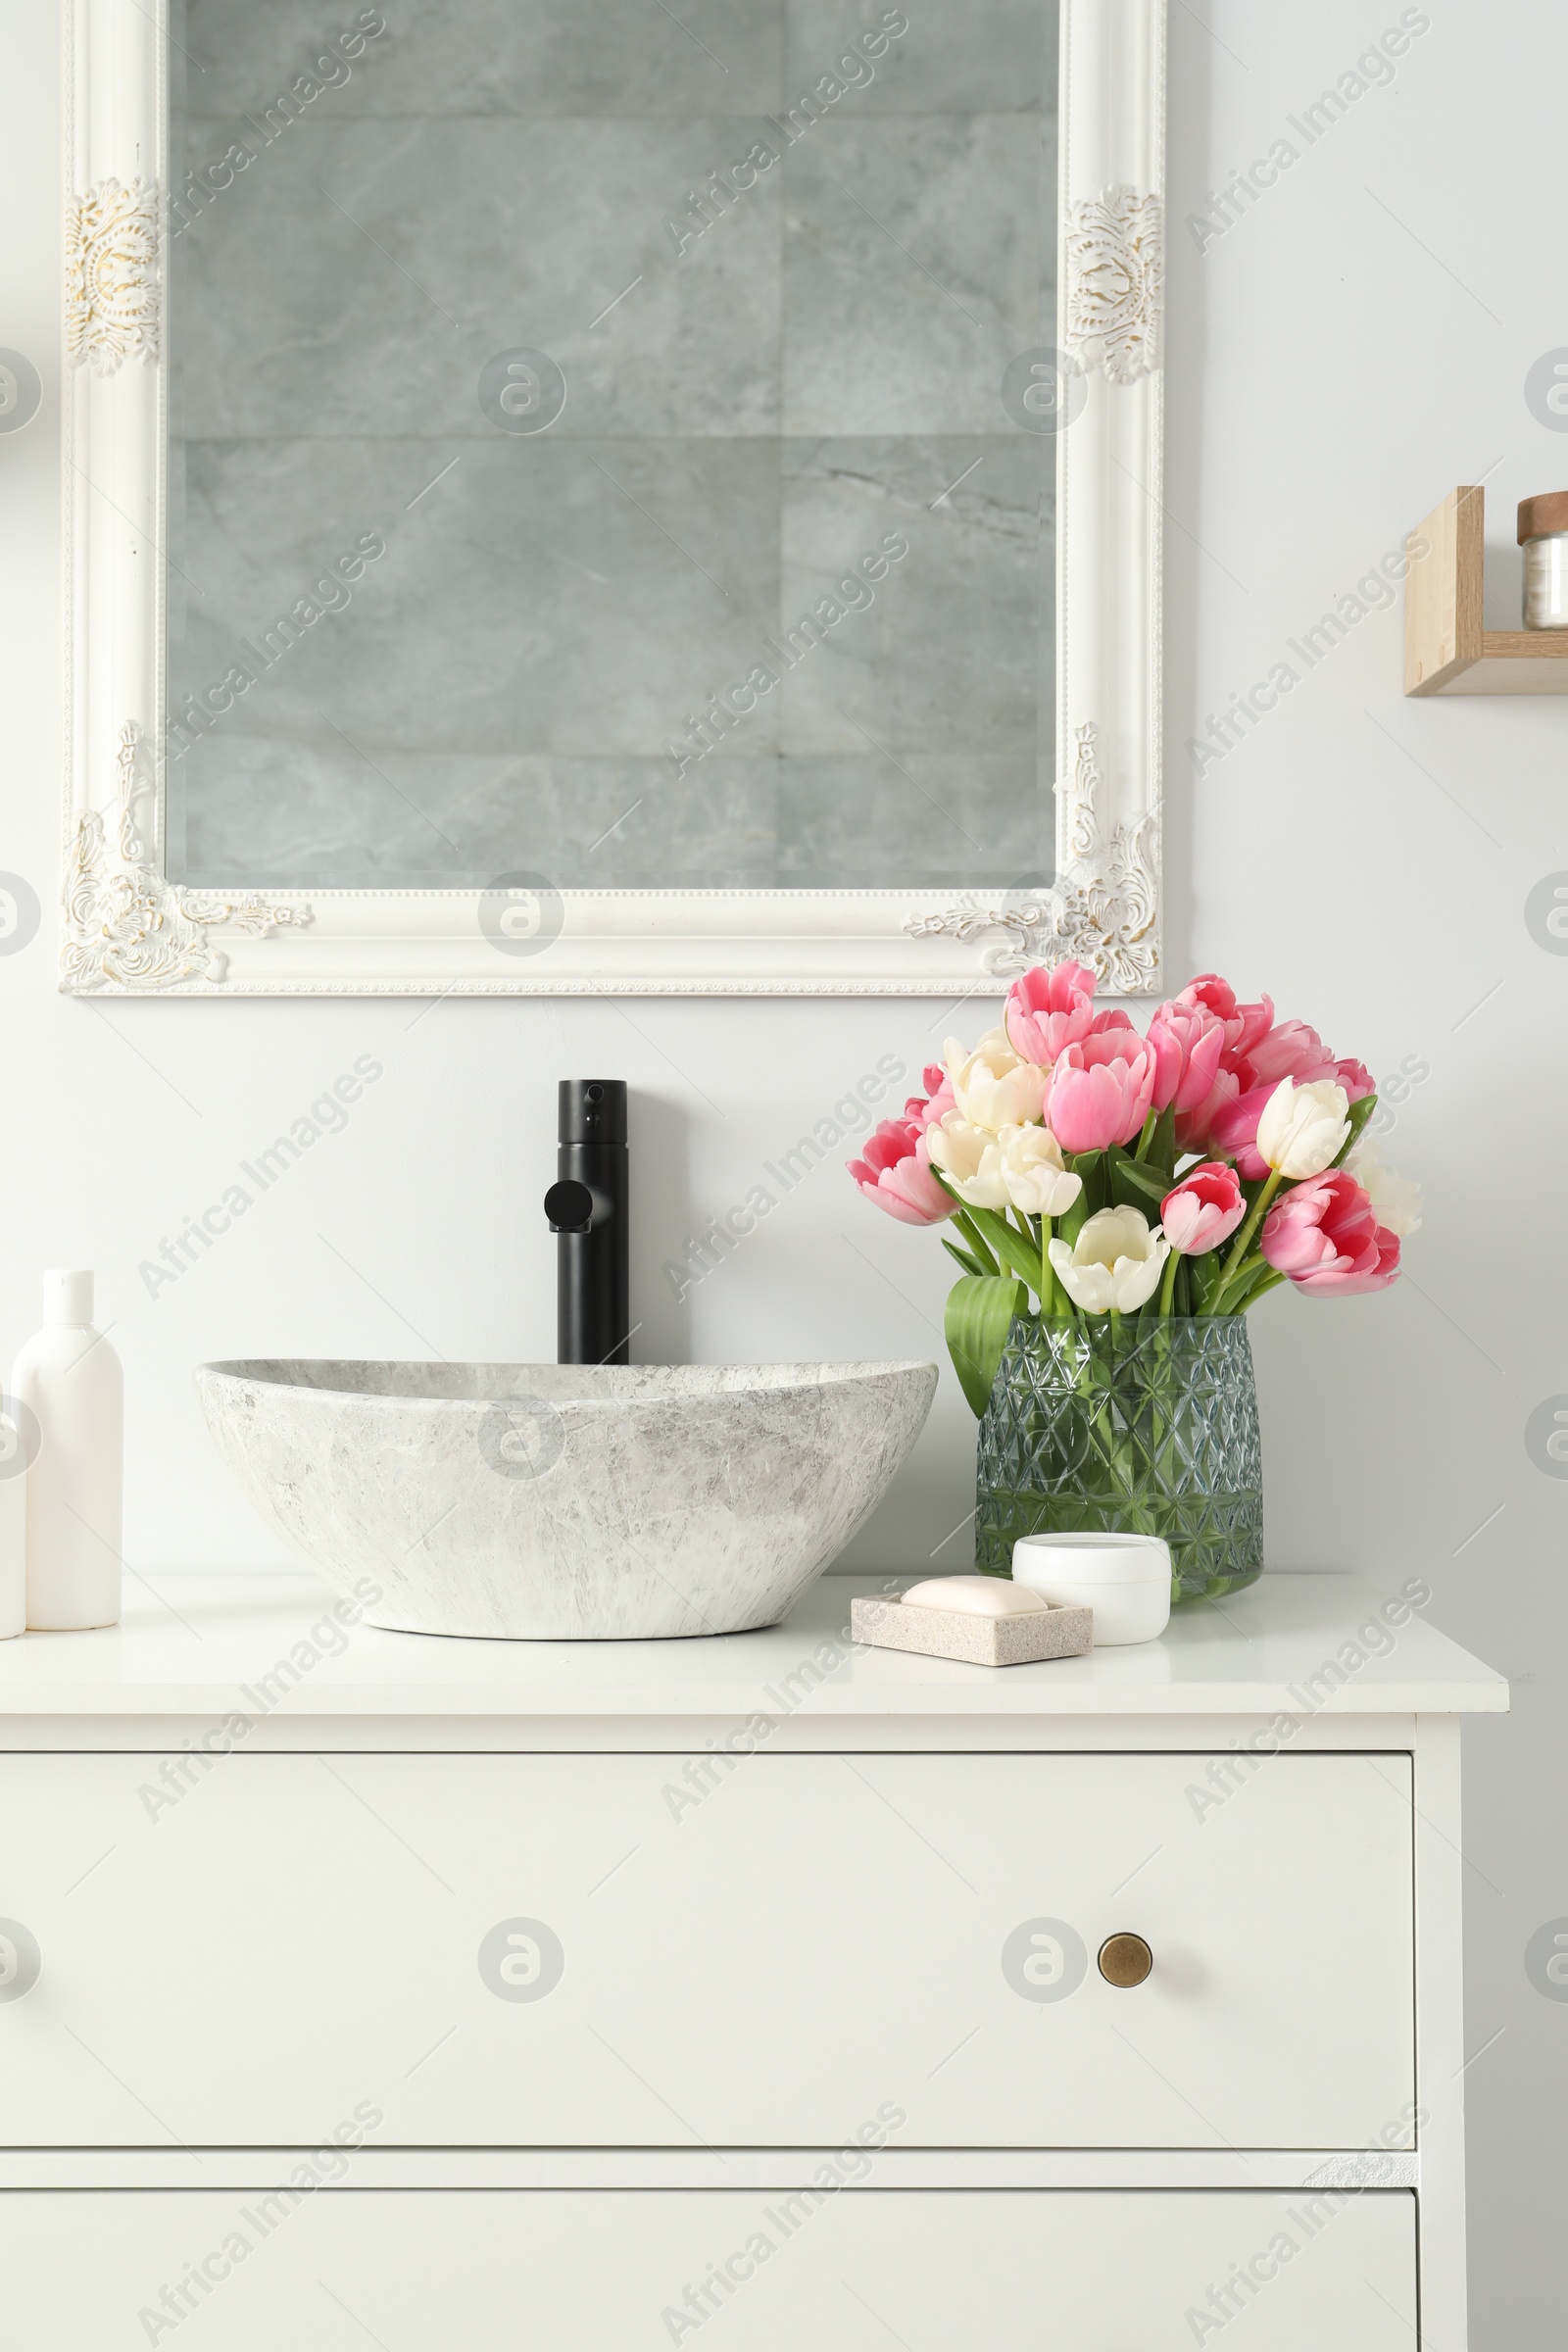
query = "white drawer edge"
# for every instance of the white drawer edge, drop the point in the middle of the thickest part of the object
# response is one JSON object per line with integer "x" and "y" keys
{"x": 602, "y": 1736}
{"x": 747, "y": 2169}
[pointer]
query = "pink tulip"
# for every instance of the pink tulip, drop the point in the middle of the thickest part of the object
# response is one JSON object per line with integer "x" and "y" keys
{"x": 931, "y": 1108}
{"x": 1212, "y": 993}
{"x": 1290, "y": 1050}
{"x": 895, "y": 1173}
{"x": 1099, "y": 1090}
{"x": 1205, "y": 1208}
{"x": 1233, "y": 1129}
{"x": 1356, "y": 1078}
{"x": 1244, "y": 1023}
{"x": 1325, "y": 1235}
{"x": 1049, "y": 1009}
{"x": 1186, "y": 1042}
{"x": 1195, "y": 1129}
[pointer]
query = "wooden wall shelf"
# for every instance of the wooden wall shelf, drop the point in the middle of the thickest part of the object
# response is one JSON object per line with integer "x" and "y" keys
{"x": 1447, "y": 648}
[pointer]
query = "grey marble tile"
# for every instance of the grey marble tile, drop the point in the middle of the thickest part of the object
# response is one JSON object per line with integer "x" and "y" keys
{"x": 511, "y": 669}
{"x": 273, "y": 810}
{"x": 954, "y": 653}
{"x": 358, "y": 278}
{"x": 936, "y": 820}
{"x": 951, "y": 55}
{"x": 715, "y": 828}
{"x": 497, "y": 688}
{"x": 912, "y": 271}
{"x": 299, "y": 813}
{"x": 485, "y": 57}
{"x": 540, "y": 597}
{"x": 312, "y": 813}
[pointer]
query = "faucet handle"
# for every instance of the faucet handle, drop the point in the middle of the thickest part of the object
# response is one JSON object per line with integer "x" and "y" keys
{"x": 570, "y": 1206}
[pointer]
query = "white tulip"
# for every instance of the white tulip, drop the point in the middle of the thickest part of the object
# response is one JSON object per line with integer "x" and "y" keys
{"x": 1303, "y": 1129}
{"x": 1395, "y": 1199}
{"x": 991, "y": 1086}
{"x": 1032, "y": 1170}
{"x": 970, "y": 1159}
{"x": 1115, "y": 1264}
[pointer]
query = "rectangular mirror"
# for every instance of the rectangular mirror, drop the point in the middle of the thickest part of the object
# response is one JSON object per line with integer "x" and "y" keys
{"x": 606, "y": 496}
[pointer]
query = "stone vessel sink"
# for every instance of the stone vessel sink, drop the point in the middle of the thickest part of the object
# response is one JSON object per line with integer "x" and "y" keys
{"x": 567, "y": 1503}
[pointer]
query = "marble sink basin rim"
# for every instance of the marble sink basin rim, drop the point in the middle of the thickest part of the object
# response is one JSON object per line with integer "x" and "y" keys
{"x": 562, "y": 1501}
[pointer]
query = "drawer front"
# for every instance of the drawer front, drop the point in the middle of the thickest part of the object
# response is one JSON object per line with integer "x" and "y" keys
{"x": 540, "y": 1950}
{"x": 610, "y": 2270}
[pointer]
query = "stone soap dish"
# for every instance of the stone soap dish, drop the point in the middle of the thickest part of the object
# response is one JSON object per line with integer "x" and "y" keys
{"x": 977, "y": 1640}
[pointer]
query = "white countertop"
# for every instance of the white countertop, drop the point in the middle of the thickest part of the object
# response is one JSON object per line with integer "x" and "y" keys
{"x": 206, "y": 1645}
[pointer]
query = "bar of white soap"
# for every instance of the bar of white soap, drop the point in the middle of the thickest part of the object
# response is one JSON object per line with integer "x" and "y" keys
{"x": 976, "y": 1596}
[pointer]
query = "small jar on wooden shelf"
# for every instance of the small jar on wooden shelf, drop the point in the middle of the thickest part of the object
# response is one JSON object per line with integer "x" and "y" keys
{"x": 1543, "y": 536}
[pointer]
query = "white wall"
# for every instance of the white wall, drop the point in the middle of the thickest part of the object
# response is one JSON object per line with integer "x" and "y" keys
{"x": 1338, "y": 359}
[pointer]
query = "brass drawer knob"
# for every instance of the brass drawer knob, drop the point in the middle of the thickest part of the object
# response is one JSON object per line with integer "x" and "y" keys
{"x": 1125, "y": 1960}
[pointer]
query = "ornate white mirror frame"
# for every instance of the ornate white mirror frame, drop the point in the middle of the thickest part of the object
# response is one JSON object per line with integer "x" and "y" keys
{"x": 127, "y": 930}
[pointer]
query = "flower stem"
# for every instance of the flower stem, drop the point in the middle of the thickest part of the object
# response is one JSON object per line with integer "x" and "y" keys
{"x": 1243, "y": 1242}
{"x": 1271, "y": 1282}
{"x": 1047, "y": 1273}
{"x": 1167, "y": 1289}
{"x": 1147, "y": 1136}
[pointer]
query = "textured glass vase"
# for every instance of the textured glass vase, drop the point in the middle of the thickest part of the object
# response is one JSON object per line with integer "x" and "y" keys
{"x": 1151, "y": 1429}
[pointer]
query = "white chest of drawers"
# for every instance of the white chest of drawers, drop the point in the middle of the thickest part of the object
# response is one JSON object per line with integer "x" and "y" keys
{"x": 356, "y": 1987}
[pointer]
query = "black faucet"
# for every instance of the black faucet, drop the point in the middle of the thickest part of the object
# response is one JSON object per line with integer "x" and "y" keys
{"x": 587, "y": 1209}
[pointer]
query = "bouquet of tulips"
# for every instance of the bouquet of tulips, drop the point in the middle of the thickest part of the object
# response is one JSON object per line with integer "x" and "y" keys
{"x": 1187, "y": 1171}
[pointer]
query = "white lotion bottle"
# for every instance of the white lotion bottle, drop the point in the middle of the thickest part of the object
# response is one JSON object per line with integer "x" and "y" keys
{"x": 69, "y": 1377}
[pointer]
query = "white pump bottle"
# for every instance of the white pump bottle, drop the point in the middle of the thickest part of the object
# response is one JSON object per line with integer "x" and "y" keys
{"x": 70, "y": 1378}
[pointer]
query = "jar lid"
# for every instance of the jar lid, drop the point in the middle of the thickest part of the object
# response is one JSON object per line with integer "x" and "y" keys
{"x": 1539, "y": 517}
{"x": 1088, "y": 1559}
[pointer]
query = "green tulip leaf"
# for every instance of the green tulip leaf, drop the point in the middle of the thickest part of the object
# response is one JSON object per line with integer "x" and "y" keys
{"x": 1008, "y": 1242}
{"x": 1358, "y": 1116}
{"x": 1091, "y": 1166}
{"x": 1070, "y": 1224}
{"x": 966, "y": 1258}
{"x": 1203, "y": 1275}
{"x": 980, "y": 1312}
{"x": 1162, "y": 1152}
{"x": 1134, "y": 1184}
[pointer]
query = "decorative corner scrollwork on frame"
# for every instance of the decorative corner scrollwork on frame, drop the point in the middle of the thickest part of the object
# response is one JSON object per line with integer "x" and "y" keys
{"x": 113, "y": 306}
{"x": 1114, "y": 253}
{"x": 1027, "y": 926}
{"x": 126, "y": 927}
{"x": 1102, "y": 912}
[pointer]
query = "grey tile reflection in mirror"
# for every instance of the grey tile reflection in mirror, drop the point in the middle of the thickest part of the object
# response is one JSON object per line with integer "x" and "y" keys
{"x": 624, "y": 334}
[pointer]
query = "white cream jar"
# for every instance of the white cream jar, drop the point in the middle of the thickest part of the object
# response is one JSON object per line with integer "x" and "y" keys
{"x": 1124, "y": 1579}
